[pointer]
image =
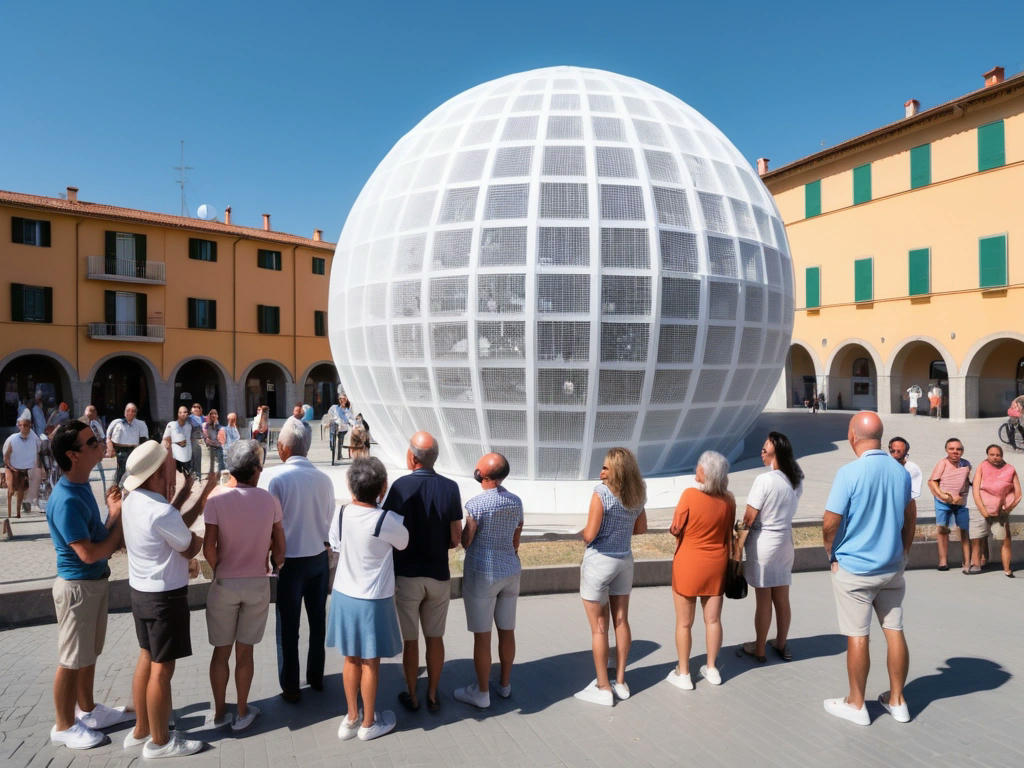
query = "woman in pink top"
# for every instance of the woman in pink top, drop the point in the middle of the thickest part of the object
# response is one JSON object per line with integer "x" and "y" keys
{"x": 243, "y": 527}
{"x": 996, "y": 492}
{"x": 948, "y": 483}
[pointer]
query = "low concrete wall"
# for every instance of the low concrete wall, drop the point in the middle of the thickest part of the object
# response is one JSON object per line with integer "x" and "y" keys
{"x": 35, "y": 606}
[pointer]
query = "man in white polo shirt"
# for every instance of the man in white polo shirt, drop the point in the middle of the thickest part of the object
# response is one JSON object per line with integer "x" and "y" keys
{"x": 307, "y": 501}
{"x": 21, "y": 465}
{"x": 159, "y": 545}
{"x": 178, "y": 437}
{"x": 123, "y": 436}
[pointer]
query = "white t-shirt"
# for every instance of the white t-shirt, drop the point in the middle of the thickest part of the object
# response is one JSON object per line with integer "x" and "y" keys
{"x": 121, "y": 432}
{"x": 775, "y": 499}
{"x": 24, "y": 451}
{"x": 915, "y": 478}
{"x": 366, "y": 564}
{"x": 178, "y": 432}
{"x": 154, "y": 535}
{"x": 913, "y": 394}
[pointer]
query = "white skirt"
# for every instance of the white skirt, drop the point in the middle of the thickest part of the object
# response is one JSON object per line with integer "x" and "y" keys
{"x": 769, "y": 558}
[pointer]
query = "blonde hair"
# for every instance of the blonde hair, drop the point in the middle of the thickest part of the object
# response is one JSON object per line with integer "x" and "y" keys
{"x": 624, "y": 479}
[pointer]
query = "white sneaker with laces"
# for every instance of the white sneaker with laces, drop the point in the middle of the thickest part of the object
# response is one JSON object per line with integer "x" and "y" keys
{"x": 682, "y": 682}
{"x": 383, "y": 722}
{"x": 78, "y": 736}
{"x": 472, "y": 695}
{"x": 176, "y": 746}
{"x": 215, "y": 722}
{"x": 595, "y": 695}
{"x": 840, "y": 708}
{"x": 503, "y": 690}
{"x": 131, "y": 740}
{"x": 620, "y": 689}
{"x": 900, "y": 712}
{"x": 244, "y": 721}
{"x": 348, "y": 728}
{"x": 103, "y": 716}
{"x": 711, "y": 674}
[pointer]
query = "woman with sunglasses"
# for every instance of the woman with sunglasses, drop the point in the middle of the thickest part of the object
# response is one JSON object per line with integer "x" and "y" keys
{"x": 766, "y": 533}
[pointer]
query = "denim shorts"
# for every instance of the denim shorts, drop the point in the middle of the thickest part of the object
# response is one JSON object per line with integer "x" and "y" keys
{"x": 946, "y": 513}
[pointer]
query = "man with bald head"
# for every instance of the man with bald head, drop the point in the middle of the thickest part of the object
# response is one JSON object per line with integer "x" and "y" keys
{"x": 868, "y": 529}
{"x": 432, "y": 510}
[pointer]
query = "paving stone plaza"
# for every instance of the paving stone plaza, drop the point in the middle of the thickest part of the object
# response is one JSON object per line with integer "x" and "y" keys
{"x": 965, "y": 691}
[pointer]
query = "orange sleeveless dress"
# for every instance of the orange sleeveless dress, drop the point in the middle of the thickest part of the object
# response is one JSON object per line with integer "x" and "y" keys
{"x": 698, "y": 569}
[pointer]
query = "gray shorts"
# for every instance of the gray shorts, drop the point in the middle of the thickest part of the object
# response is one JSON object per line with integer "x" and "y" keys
{"x": 856, "y": 597}
{"x": 486, "y": 602}
{"x": 602, "y": 575}
{"x": 982, "y": 526}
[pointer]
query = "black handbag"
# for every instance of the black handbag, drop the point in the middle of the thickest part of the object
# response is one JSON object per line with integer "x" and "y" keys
{"x": 735, "y": 581}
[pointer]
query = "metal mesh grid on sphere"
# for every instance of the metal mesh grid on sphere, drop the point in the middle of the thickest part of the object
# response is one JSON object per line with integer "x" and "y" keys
{"x": 557, "y": 262}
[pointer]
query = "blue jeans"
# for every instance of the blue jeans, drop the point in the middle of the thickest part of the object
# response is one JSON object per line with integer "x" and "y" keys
{"x": 301, "y": 580}
{"x": 216, "y": 456}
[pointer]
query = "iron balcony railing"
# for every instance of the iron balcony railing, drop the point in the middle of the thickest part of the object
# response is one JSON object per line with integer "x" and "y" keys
{"x": 126, "y": 270}
{"x": 132, "y": 331}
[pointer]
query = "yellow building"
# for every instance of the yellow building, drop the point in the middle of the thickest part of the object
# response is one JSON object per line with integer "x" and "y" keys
{"x": 107, "y": 305}
{"x": 908, "y": 259}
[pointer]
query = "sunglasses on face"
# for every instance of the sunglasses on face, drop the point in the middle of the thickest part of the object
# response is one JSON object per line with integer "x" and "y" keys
{"x": 87, "y": 444}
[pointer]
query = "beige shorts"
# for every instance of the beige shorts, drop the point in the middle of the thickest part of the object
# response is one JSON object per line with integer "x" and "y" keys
{"x": 982, "y": 526}
{"x": 81, "y": 608}
{"x": 421, "y": 600}
{"x": 488, "y": 603}
{"x": 856, "y": 597}
{"x": 236, "y": 610}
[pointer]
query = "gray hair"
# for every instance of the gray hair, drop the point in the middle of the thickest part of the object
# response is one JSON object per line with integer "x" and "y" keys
{"x": 716, "y": 473}
{"x": 426, "y": 457}
{"x": 294, "y": 436}
{"x": 242, "y": 459}
{"x": 365, "y": 479}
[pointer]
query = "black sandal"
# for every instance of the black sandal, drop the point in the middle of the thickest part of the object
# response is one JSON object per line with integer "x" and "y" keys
{"x": 433, "y": 705}
{"x": 783, "y": 652}
{"x": 749, "y": 649}
{"x": 405, "y": 699}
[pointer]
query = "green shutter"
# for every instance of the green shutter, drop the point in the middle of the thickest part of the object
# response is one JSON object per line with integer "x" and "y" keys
{"x": 276, "y": 311}
{"x": 193, "y": 314}
{"x": 918, "y": 268}
{"x": 921, "y": 166}
{"x": 110, "y": 306}
{"x": 141, "y": 313}
{"x": 212, "y": 311}
{"x": 863, "y": 283}
{"x": 17, "y": 302}
{"x": 111, "y": 256}
{"x": 991, "y": 146}
{"x": 813, "y": 287}
{"x": 862, "y": 184}
{"x": 44, "y": 234}
{"x": 213, "y": 250}
{"x": 992, "y": 261}
{"x": 812, "y": 199}
{"x": 47, "y": 304}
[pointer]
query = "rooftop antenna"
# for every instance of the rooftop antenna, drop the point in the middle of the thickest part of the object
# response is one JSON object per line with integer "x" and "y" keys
{"x": 182, "y": 171}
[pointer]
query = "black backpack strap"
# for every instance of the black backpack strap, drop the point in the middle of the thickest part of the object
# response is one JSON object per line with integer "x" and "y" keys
{"x": 341, "y": 517}
{"x": 380, "y": 524}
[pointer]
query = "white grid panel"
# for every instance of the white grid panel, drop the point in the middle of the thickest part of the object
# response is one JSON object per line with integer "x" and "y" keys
{"x": 559, "y": 261}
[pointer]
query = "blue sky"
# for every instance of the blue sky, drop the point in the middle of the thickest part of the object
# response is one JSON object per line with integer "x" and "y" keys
{"x": 287, "y": 108}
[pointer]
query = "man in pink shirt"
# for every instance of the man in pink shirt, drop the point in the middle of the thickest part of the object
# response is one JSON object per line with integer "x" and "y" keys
{"x": 949, "y": 484}
{"x": 243, "y": 527}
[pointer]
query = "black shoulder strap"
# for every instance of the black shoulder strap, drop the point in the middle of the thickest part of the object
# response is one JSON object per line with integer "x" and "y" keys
{"x": 380, "y": 524}
{"x": 341, "y": 517}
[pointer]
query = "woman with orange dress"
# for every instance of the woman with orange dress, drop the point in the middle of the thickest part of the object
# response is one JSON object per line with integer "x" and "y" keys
{"x": 703, "y": 524}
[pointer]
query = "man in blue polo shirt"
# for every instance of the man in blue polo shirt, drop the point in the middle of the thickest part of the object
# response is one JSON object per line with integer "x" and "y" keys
{"x": 868, "y": 529}
{"x": 80, "y": 591}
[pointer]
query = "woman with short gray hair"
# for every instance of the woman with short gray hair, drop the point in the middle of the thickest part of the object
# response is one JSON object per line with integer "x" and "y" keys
{"x": 362, "y": 623}
{"x": 243, "y": 525}
{"x": 703, "y": 523}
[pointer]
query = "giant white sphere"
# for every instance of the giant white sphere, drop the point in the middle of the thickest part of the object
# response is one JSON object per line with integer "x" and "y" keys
{"x": 557, "y": 262}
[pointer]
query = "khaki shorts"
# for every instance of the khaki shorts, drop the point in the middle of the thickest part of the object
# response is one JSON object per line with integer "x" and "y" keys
{"x": 603, "y": 575}
{"x": 982, "y": 526}
{"x": 236, "y": 610}
{"x": 856, "y": 597}
{"x": 81, "y": 608}
{"x": 421, "y": 600}
{"x": 488, "y": 603}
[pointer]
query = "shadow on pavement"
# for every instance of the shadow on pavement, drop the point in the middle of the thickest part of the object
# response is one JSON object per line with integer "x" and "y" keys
{"x": 809, "y": 433}
{"x": 802, "y": 648}
{"x": 961, "y": 676}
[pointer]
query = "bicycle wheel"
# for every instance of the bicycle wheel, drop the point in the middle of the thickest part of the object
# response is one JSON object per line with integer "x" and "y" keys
{"x": 1005, "y": 436}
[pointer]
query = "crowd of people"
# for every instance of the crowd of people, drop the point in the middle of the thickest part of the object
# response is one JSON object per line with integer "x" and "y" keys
{"x": 389, "y": 550}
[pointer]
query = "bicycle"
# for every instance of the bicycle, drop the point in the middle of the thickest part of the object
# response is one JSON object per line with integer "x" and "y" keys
{"x": 1007, "y": 437}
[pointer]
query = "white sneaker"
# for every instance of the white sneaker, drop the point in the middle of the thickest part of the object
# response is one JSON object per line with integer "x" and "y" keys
{"x": 680, "y": 681}
{"x": 78, "y": 736}
{"x": 621, "y": 690}
{"x": 241, "y": 723}
{"x": 103, "y": 716}
{"x": 472, "y": 694}
{"x": 595, "y": 695}
{"x": 841, "y": 709}
{"x": 131, "y": 740}
{"x": 348, "y": 728}
{"x": 383, "y": 722}
{"x": 711, "y": 674}
{"x": 176, "y": 746}
{"x": 214, "y": 722}
{"x": 503, "y": 690}
{"x": 900, "y": 712}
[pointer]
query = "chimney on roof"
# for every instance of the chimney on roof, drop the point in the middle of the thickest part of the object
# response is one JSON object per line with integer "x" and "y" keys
{"x": 72, "y": 194}
{"x": 994, "y": 76}
{"x": 911, "y": 107}
{"x": 227, "y": 215}
{"x": 762, "y": 166}
{"x": 318, "y": 235}
{"x": 266, "y": 221}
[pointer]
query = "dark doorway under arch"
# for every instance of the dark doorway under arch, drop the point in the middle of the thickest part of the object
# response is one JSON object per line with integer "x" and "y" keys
{"x": 321, "y": 388}
{"x": 199, "y": 381}
{"x": 23, "y": 377}
{"x": 265, "y": 386}
{"x": 119, "y": 381}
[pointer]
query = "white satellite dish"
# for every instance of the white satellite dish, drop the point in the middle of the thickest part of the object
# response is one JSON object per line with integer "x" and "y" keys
{"x": 206, "y": 212}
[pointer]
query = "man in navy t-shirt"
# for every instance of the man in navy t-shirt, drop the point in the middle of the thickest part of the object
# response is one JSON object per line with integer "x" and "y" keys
{"x": 80, "y": 591}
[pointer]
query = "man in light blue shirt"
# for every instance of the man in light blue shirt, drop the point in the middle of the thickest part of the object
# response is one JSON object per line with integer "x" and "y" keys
{"x": 868, "y": 529}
